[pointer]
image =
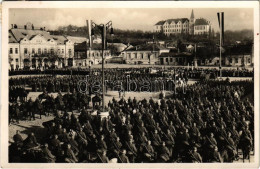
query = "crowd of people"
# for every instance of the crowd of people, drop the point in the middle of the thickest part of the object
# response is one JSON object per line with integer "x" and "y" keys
{"x": 207, "y": 123}
{"x": 192, "y": 72}
{"x": 127, "y": 79}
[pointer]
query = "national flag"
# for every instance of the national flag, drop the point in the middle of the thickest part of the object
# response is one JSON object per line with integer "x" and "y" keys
{"x": 221, "y": 25}
{"x": 89, "y": 28}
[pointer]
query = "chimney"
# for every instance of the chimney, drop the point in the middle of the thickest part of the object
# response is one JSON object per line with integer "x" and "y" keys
{"x": 25, "y": 27}
{"x": 12, "y": 26}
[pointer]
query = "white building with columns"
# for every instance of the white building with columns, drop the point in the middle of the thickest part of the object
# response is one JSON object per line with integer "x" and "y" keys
{"x": 31, "y": 47}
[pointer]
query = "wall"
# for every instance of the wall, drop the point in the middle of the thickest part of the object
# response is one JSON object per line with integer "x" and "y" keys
{"x": 201, "y": 29}
{"x": 14, "y": 56}
{"x": 141, "y": 57}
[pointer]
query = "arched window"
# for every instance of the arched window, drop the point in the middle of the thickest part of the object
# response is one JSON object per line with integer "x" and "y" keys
{"x": 39, "y": 51}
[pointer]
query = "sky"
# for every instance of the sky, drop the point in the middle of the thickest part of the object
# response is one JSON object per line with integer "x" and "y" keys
{"x": 128, "y": 18}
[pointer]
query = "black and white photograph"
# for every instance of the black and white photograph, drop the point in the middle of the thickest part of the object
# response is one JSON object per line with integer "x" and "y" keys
{"x": 131, "y": 85}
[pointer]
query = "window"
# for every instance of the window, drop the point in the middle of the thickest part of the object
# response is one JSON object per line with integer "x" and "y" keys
{"x": 70, "y": 52}
{"x": 97, "y": 54}
{"x": 129, "y": 56}
{"x": 236, "y": 60}
{"x": 93, "y": 54}
{"x": 33, "y": 51}
{"x": 16, "y": 50}
{"x": 52, "y": 51}
{"x": 230, "y": 60}
{"x": 135, "y": 55}
{"x": 167, "y": 60}
{"x": 25, "y": 50}
{"x": 62, "y": 51}
{"x": 58, "y": 50}
{"x": 39, "y": 51}
{"x": 11, "y": 50}
{"x": 170, "y": 59}
{"x": 45, "y": 50}
{"x": 16, "y": 60}
{"x": 142, "y": 56}
{"x": 248, "y": 60}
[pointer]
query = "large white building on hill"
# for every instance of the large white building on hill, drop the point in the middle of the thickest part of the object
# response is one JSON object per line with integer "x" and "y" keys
{"x": 190, "y": 26}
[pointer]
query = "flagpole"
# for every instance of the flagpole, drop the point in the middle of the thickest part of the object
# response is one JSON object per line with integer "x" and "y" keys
{"x": 220, "y": 44}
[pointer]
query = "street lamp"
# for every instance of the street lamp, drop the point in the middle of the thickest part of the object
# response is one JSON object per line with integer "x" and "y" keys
{"x": 103, "y": 28}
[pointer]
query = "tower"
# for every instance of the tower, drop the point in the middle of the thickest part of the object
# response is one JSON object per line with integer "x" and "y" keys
{"x": 192, "y": 20}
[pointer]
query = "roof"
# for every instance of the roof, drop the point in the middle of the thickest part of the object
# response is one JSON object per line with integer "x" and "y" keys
{"x": 160, "y": 23}
{"x": 117, "y": 44}
{"x": 146, "y": 47}
{"x": 192, "y": 14}
{"x": 201, "y": 21}
{"x": 11, "y": 38}
{"x": 175, "y": 54}
{"x": 76, "y": 39}
{"x": 59, "y": 39}
{"x": 20, "y": 34}
{"x": 169, "y": 21}
{"x": 177, "y": 20}
{"x": 84, "y": 46}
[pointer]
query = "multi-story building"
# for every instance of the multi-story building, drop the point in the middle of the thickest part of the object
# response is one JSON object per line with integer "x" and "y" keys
{"x": 202, "y": 27}
{"x": 173, "y": 26}
{"x": 35, "y": 47}
{"x": 190, "y": 26}
{"x": 86, "y": 56}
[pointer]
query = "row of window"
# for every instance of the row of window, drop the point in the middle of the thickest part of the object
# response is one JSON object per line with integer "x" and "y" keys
{"x": 174, "y": 26}
{"x": 236, "y": 60}
{"x": 45, "y": 51}
{"x": 201, "y": 33}
{"x": 177, "y": 60}
{"x": 141, "y": 56}
{"x": 15, "y": 50}
{"x": 200, "y": 27}
{"x": 100, "y": 54}
{"x": 176, "y": 30}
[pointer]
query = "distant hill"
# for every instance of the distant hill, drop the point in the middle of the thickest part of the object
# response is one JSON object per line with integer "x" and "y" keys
{"x": 136, "y": 37}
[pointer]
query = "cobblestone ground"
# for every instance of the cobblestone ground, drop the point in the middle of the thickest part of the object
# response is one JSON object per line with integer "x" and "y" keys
{"x": 36, "y": 125}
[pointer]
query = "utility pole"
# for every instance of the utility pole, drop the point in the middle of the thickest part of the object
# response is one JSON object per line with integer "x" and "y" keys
{"x": 103, "y": 28}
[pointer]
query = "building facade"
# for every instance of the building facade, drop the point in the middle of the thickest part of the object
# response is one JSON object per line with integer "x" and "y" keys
{"x": 86, "y": 56}
{"x": 175, "y": 58}
{"x": 173, "y": 26}
{"x": 31, "y": 47}
{"x": 202, "y": 27}
{"x": 144, "y": 54}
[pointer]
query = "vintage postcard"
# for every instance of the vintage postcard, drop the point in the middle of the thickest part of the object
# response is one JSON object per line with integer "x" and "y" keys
{"x": 130, "y": 84}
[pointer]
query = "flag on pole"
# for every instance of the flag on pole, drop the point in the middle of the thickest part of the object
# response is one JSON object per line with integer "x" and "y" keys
{"x": 89, "y": 27}
{"x": 221, "y": 25}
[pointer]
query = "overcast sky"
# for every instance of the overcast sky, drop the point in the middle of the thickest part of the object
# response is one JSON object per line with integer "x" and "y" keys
{"x": 138, "y": 19}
